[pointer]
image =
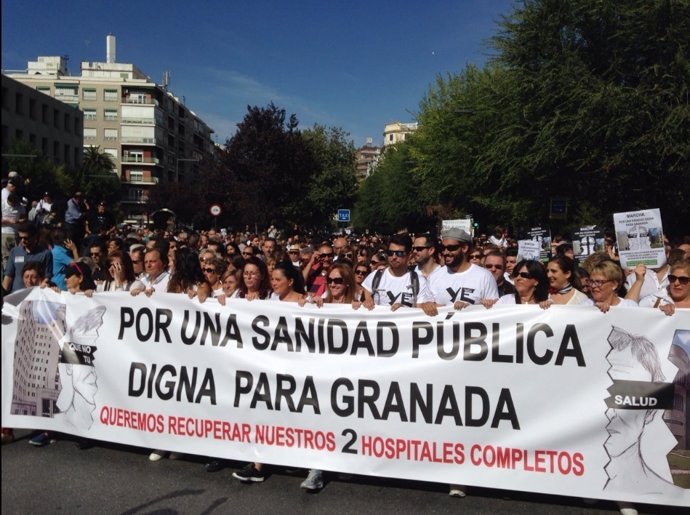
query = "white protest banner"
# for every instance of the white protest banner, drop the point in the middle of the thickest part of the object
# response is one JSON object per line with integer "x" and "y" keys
{"x": 528, "y": 249}
{"x": 640, "y": 238}
{"x": 566, "y": 401}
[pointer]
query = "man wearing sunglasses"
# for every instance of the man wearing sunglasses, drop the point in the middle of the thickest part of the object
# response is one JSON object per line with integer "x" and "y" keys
{"x": 425, "y": 255}
{"x": 394, "y": 285}
{"x": 462, "y": 282}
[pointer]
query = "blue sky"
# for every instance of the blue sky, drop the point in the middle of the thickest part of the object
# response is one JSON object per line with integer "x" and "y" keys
{"x": 350, "y": 64}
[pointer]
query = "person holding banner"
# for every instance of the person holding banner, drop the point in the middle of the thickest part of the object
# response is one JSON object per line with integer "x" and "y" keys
{"x": 531, "y": 285}
{"x": 605, "y": 279}
{"x": 678, "y": 291}
{"x": 255, "y": 282}
{"x": 564, "y": 284}
{"x": 460, "y": 283}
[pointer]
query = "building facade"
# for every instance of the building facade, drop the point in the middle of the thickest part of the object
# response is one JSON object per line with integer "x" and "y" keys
{"x": 366, "y": 159}
{"x": 150, "y": 134}
{"x": 396, "y": 132}
{"x": 51, "y": 127}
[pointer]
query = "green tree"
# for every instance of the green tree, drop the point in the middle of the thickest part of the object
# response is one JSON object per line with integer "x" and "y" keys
{"x": 96, "y": 177}
{"x": 333, "y": 184}
{"x": 266, "y": 169}
{"x": 602, "y": 91}
{"x": 388, "y": 199}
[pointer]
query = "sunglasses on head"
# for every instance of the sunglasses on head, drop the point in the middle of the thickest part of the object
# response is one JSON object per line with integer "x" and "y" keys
{"x": 334, "y": 280}
{"x": 681, "y": 279}
{"x": 397, "y": 253}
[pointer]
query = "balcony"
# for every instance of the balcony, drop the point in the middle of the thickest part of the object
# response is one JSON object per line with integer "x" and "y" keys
{"x": 138, "y": 121}
{"x": 140, "y": 160}
{"x": 141, "y": 100}
{"x": 141, "y": 141}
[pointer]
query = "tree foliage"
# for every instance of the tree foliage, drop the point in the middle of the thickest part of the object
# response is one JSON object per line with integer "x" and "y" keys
{"x": 333, "y": 184}
{"x": 96, "y": 178}
{"x": 586, "y": 101}
{"x": 388, "y": 199}
{"x": 268, "y": 167}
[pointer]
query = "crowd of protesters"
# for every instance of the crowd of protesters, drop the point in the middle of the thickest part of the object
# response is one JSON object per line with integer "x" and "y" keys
{"x": 86, "y": 252}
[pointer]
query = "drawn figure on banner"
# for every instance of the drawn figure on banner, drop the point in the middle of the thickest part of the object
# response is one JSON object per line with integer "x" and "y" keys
{"x": 76, "y": 401}
{"x": 640, "y": 395}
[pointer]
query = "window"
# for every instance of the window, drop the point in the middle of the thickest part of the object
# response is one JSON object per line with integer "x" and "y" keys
{"x": 134, "y": 156}
{"x": 44, "y": 113}
{"x": 136, "y": 176}
{"x": 112, "y": 152}
{"x": 89, "y": 114}
{"x": 111, "y": 134}
{"x": 19, "y": 103}
{"x": 110, "y": 95}
{"x": 56, "y": 118}
{"x": 32, "y": 108}
{"x": 66, "y": 91}
{"x": 68, "y": 122}
{"x": 89, "y": 94}
{"x": 110, "y": 115}
{"x": 44, "y": 89}
{"x": 90, "y": 133}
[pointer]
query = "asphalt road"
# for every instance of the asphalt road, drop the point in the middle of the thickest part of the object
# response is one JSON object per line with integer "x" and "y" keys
{"x": 105, "y": 479}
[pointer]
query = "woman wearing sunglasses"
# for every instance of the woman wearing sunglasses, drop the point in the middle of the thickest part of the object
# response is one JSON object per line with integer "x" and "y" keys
{"x": 362, "y": 270}
{"x": 531, "y": 284}
{"x": 678, "y": 290}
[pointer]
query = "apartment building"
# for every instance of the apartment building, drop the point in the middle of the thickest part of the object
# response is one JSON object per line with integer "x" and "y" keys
{"x": 366, "y": 159}
{"x": 149, "y": 132}
{"x": 50, "y": 126}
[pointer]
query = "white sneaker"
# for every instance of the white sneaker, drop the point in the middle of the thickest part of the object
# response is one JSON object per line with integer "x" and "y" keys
{"x": 158, "y": 455}
{"x": 626, "y": 508}
{"x": 314, "y": 481}
{"x": 457, "y": 491}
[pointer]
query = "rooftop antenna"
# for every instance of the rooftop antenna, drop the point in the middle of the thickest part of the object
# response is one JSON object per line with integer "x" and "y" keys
{"x": 166, "y": 79}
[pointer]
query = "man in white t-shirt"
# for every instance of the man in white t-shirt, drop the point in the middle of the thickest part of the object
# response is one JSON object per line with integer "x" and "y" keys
{"x": 395, "y": 285}
{"x": 461, "y": 283}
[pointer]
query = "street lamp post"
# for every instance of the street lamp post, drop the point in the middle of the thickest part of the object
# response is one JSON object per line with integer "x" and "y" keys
{"x": 177, "y": 166}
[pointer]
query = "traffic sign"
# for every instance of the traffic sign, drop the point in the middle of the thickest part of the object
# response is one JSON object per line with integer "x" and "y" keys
{"x": 215, "y": 210}
{"x": 343, "y": 215}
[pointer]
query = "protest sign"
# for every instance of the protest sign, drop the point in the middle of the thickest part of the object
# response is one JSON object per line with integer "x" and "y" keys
{"x": 640, "y": 238}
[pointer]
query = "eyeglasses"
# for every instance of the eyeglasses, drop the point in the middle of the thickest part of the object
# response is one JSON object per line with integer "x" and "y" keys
{"x": 334, "y": 280}
{"x": 597, "y": 284}
{"x": 681, "y": 279}
{"x": 247, "y": 253}
{"x": 324, "y": 255}
{"x": 20, "y": 237}
{"x": 293, "y": 251}
{"x": 497, "y": 267}
{"x": 397, "y": 253}
{"x": 209, "y": 270}
{"x": 525, "y": 275}
{"x": 450, "y": 248}
{"x": 94, "y": 253}
{"x": 476, "y": 256}
{"x": 360, "y": 272}
{"x": 419, "y": 249}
